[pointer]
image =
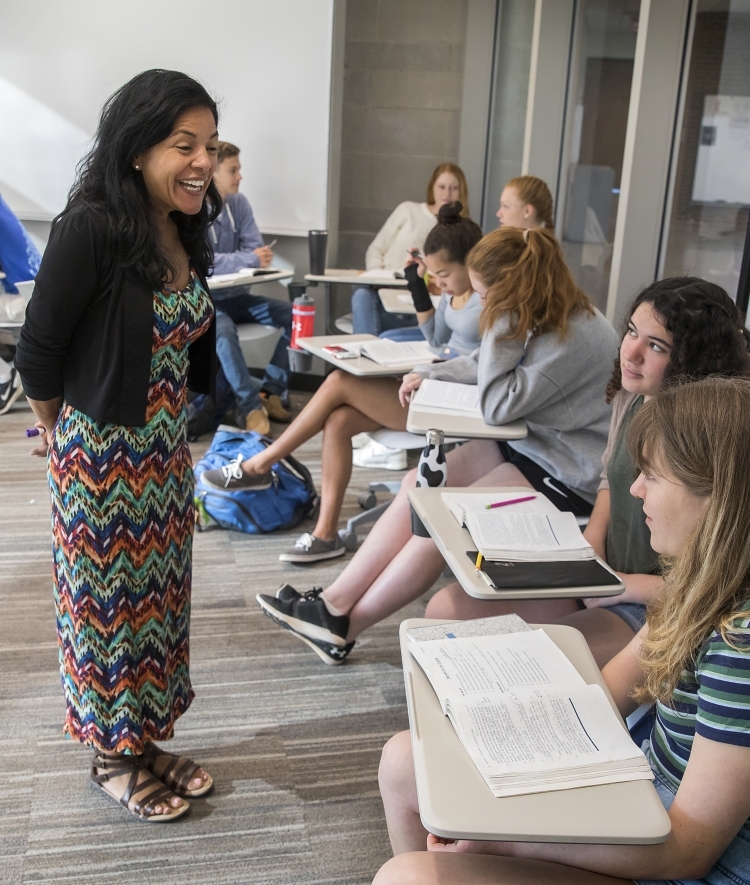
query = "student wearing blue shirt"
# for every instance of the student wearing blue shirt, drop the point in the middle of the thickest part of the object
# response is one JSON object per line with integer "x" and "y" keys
{"x": 19, "y": 261}
{"x": 237, "y": 244}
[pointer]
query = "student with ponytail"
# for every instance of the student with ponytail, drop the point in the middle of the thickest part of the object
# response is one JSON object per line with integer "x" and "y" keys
{"x": 346, "y": 405}
{"x": 546, "y": 355}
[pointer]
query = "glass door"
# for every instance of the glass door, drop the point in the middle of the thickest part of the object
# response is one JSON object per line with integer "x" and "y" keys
{"x": 601, "y": 73}
{"x": 707, "y": 216}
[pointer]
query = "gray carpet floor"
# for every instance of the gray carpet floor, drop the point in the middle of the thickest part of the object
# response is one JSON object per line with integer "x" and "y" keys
{"x": 293, "y": 745}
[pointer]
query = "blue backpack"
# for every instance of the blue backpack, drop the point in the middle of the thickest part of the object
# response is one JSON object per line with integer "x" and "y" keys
{"x": 290, "y": 499}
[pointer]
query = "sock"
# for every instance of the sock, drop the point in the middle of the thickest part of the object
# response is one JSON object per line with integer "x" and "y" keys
{"x": 331, "y": 608}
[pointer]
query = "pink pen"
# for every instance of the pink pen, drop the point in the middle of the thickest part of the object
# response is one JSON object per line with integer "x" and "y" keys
{"x": 512, "y": 501}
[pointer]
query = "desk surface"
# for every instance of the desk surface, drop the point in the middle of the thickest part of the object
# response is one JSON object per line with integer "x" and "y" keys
{"x": 421, "y": 419}
{"x": 353, "y": 276}
{"x": 455, "y": 802}
{"x": 361, "y": 365}
{"x": 398, "y": 301}
{"x": 453, "y": 541}
{"x": 245, "y": 279}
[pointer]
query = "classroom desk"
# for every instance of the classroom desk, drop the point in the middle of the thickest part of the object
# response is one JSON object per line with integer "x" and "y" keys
{"x": 361, "y": 366}
{"x": 351, "y": 277}
{"x": 420, "y": 420}
{"x": 456, "y": 803}
{"x": 243, "y": 279}
{"x": 453, "y": 541}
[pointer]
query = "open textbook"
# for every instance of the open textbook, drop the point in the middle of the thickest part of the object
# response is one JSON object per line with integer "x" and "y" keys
{"x": 394, "y": 354}
{"x": 448, "y": 396}
{"x": 507, "y": 533}
{"x": 525, "y": 716}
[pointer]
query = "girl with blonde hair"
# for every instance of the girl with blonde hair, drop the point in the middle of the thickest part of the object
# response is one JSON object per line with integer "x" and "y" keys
{"x": 692, "y": 658}
{"x": 545, "y": 356}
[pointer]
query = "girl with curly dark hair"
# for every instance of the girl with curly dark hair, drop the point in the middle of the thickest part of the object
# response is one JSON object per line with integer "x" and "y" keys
{"x": 679, "y": 329}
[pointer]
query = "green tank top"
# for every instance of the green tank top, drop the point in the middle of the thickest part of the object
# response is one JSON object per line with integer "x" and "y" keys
{"x": 628, "y": 537}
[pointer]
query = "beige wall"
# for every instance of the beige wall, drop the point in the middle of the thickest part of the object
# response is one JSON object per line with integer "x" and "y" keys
{"x": 402, "y": 96}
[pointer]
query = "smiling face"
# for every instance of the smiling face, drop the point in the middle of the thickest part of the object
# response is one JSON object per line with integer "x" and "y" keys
{"x": 645, "y": 352}
{"x": 227, "y": 176}
{"x": 445, "y": 190}
{"x": 515, "y": 213}
{"x": 672, "y": 511}
{"x": 451, "y": 276}
{"x": 178, "y": 170}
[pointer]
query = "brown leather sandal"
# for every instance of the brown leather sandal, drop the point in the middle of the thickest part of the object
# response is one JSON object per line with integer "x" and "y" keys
{"x": 152, "y": 791}
{"x": 174, "y": 771}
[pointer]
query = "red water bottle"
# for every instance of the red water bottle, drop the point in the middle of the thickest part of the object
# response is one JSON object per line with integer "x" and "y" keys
{"x": 303, "y": 319}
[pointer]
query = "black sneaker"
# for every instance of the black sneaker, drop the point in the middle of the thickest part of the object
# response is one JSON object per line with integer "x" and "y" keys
{"x": 10, "y": 391}
{"x": 333, "y": 655}
{"x": 307, "y": 617}
{"x": 287, "y": 593}
{"x": 232, "y": 478}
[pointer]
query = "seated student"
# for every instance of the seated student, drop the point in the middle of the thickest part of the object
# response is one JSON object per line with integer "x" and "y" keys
{"x": 525, "y": 202}
{"x": 238, "y": 244}
{"x": 346, "y": 405}
{"x": 406, "y": 228}
{"x": 690, "y": 443}
{"x": 677, "y": 329}
{"x": 546, "y": 355}
{"x": 19, "y": 261}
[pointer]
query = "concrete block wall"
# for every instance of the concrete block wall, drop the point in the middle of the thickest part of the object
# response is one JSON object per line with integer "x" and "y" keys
{"x": 403, "y": 70}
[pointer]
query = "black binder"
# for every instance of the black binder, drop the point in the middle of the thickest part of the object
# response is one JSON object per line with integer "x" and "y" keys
{"x": 536, "y": 575}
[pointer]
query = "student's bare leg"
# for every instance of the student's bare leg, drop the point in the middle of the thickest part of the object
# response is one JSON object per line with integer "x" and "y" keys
{"x": 376, "y": 398}
{"x": 439, "y": 868}
{"x": 393, "y": 567}
{"x": 454, "y": 602}
{"x": 606, "y": 633}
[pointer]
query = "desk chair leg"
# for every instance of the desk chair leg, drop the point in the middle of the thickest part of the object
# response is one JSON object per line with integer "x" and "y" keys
{"x": 368, "y": 501}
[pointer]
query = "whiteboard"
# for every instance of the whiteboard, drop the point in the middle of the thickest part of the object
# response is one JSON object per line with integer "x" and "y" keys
{"x": 267, "y": 63}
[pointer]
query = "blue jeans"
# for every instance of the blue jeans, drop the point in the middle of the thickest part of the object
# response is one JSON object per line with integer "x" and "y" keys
{"x": 235, "y": 309}
{"x": 369, "y": 315}
{"x": 406, "y": 333}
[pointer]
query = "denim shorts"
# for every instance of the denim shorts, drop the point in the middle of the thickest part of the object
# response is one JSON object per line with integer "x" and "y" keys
{"x": 732, "y": 868}
{"x": 633, "y": 613}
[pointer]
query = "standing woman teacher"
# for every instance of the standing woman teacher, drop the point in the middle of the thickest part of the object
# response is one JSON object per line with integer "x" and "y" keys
{"x": 119, "y": 324}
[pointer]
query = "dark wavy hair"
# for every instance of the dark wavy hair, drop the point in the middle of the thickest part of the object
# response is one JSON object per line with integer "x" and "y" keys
{"x": 454, "y": 234}
{"x": 709, "y": 337}
{"x": 138, "y": 116}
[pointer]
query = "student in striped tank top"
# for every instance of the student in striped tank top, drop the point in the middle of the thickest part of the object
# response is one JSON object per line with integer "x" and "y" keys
{"x": 692, "y": 658}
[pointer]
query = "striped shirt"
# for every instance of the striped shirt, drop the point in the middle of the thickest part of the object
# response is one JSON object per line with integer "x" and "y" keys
{"x": 712, "y": 700}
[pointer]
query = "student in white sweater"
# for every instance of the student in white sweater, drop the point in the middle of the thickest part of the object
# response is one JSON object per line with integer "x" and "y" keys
{"x": 406, "y": 228}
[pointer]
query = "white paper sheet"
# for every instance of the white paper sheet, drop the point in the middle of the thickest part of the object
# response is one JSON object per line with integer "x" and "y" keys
{"x": 448, "y": 396}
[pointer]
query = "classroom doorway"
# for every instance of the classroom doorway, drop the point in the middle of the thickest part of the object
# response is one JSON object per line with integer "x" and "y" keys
{"x": 601, "y": 74}
{"x": 707, "y": 214}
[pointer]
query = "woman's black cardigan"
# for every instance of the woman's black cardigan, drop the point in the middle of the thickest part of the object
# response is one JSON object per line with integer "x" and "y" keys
{"x": 89, "y": 328}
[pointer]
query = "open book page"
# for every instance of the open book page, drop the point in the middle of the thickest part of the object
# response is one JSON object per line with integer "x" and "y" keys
{"x": 397, "y": 353}
{"x": 489, "y": 666}
{"x": 380, "y": 273}
{"x": 461, "y": 503}
{"x": 239, "y": 275}
{"x": 501, "y": 534}
{"x": 498, "y": 625}
{"x": 448, "y": 396}
{"x": 547, "y": 739}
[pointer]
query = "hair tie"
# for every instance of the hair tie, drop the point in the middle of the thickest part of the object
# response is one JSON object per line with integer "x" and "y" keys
{"x": 526, "y": 236}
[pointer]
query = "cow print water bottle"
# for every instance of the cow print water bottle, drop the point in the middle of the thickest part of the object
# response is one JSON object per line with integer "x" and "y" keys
{"x": 432, "y": 471}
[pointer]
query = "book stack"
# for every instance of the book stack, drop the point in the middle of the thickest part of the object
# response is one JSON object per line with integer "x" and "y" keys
{"x": 522, "y": 711}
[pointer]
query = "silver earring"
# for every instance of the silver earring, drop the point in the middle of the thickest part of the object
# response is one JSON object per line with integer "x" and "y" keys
{"x": 137, "y": 168}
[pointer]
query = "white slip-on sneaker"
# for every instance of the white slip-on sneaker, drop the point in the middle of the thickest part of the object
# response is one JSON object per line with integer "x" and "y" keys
{"x": 377, "y": 455}
{"x": 360, "y": 440}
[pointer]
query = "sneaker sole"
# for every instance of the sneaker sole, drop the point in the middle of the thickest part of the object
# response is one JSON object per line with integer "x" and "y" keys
{"x": 294, "y": 624}
{"x": 300, "y": 558}
{"x": 17, "y": 393}
{"x": 207, "y": 484}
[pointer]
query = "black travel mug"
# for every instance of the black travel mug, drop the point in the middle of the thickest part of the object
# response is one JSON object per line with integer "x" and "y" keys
{"x": 317, "y": 241}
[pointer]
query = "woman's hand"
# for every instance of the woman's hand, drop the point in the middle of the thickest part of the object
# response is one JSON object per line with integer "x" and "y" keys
{"x": 41, "y": 449}
{"x": 409, "y": 383}
{"x": 467, "y": 846}
{"x": 413, "y": 256}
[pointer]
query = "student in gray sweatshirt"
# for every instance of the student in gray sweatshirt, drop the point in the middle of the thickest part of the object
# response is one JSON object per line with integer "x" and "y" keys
{"x": 546, "y": 356}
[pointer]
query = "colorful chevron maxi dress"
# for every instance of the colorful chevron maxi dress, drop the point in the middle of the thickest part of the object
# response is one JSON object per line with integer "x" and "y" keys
{"x": 122, "y": 524}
